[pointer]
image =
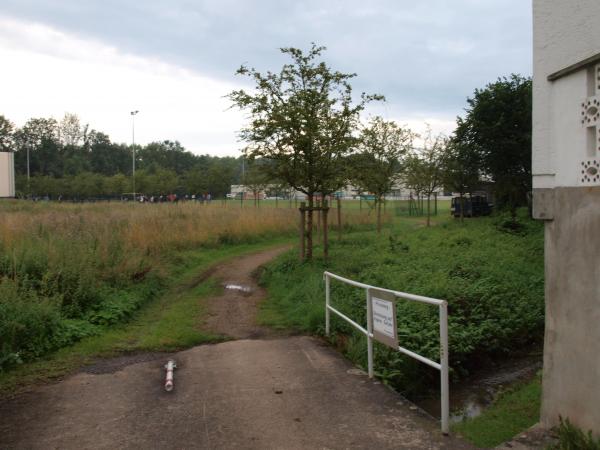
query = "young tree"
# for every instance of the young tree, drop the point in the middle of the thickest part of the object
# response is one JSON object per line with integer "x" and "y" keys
{"x": 424, "y": 170}
{"x": 38, "y": 141}
{"x": 375, "y": 169}
{"x": 70, "y": 131}
{"x": 301, "y": 120}
{"x": 256, "y": 179}
{"x": 6, "y": 134}
{"x": 498, "y": 126}
{"x": 462, "y": 168}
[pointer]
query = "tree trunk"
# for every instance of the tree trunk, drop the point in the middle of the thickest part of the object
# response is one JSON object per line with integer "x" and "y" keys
{"x": 319, "y": 204}
{"x": 339, "y": 218}
{"x": 309, "y": 229}
{"x": 379, "y": 215}
{"x": 302, "y": 231}
{"x": 428, "y": 209}
{"x": 325, "y": 235}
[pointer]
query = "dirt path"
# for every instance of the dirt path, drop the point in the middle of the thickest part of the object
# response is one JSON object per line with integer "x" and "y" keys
{"x": 233, "y": 312}
{"x": 285, "y": 393}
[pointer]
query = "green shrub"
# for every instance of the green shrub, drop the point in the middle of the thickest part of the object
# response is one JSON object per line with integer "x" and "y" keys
{"x": 493, "y": 282}
{"x": 572, "y": 438}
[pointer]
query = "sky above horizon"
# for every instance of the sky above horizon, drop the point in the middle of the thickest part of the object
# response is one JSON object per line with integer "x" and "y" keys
{"x": 175, "y": 61}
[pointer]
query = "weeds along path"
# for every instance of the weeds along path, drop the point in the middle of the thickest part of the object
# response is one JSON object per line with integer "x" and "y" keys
{"x": 287, "y": 392}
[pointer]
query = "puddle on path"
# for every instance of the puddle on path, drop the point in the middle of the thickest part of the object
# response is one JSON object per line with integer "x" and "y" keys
{"x": 470, "y": 398}
{"x": 237, "y": 287}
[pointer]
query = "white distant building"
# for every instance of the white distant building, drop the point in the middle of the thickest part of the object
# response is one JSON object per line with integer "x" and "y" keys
{"x": 399, "y": 191}
{"x": 7, "y": 175}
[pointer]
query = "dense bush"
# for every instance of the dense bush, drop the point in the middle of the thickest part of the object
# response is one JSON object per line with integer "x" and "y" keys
{"x": 492, "y": 278}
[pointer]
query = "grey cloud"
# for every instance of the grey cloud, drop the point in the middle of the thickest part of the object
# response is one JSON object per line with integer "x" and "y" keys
{"x": 425, "y": 56}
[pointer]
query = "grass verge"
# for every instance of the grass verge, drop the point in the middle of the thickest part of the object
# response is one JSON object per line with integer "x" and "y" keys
{"x": 170, "y": 322}
{"x": 513, "y": 412}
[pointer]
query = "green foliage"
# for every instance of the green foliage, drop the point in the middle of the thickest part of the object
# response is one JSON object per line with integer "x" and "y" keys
{"x": 6, "y": 134}
{"x": 68, "y": 160}
{"x": 170, "y": 322}
{"x": 424, "y": 170}
{"x": 377, "y": 165}
{"x": 302, "y": 121}
{"x": 572, "y": 438}
{"x": 462, "y": 167}
{"x": 497, "y": 127}
{"x": 512, "y": 412}
{"x": 492, "y": 280}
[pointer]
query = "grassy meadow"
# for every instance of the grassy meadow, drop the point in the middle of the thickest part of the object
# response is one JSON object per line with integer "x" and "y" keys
{"x": 67, "y": 271}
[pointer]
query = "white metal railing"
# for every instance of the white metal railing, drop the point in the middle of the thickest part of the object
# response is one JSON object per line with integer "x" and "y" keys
{"x": 442, "y": 366}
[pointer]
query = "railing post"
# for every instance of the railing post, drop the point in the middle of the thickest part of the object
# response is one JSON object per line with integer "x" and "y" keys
{"x": 445, "y": 411}
{"x": 327, "y": 299}
{"x": 370, "y": 335}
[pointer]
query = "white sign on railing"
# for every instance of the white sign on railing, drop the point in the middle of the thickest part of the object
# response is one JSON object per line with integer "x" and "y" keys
{"x": 383, "y": 316}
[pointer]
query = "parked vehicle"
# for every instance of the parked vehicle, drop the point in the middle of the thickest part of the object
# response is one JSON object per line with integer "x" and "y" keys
{"x": 474, "y": 206}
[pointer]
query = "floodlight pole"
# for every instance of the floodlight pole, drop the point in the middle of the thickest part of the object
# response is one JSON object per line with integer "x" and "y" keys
{"x": 28, "y": 181}
{"x": 133, "y": 114}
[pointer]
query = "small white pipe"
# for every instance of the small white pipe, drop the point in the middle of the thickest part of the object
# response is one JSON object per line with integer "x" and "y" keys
{"x": 169, "y": 380}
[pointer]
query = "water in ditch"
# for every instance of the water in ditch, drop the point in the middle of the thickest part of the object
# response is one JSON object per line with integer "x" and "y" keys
{"x": 469, "y": 398}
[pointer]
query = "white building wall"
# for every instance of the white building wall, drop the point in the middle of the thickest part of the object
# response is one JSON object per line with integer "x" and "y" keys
{"x": 565, "y": 32}
{"x": 566, "y": 195}
{"x": 7, "y": 174}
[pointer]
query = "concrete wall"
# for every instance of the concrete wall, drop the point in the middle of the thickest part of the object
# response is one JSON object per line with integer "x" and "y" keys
{"x": 571, "y": 378}
{"x": 566, "y": 143}
{"x": 7, "y": 175}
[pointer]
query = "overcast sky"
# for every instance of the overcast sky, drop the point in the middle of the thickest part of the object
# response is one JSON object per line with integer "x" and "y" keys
{"x": 175, "y": 60}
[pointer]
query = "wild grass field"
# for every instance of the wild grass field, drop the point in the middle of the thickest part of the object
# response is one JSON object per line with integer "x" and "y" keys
{"x": 67, "y": 270}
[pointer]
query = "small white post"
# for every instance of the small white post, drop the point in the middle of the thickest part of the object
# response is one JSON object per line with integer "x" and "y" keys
{"x": 170, "y": 366}
{"x": 370, "y": 334}
{"x": 445, "y": 411}
{"x": 327, "y": 313}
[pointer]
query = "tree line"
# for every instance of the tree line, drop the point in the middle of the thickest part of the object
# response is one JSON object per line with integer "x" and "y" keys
{"x": 67, "y": 159}
{"x": 305, "y": 130}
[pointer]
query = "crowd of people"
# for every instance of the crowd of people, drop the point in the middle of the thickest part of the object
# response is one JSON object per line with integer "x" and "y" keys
{"x": 174, "y": 198}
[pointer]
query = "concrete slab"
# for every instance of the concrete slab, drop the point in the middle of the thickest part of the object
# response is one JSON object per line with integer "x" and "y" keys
{"x": 291, "y": 393}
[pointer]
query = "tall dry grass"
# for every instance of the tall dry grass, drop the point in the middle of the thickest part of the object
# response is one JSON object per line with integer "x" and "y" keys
{"x": 67, "y": 267}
